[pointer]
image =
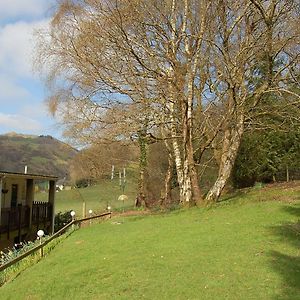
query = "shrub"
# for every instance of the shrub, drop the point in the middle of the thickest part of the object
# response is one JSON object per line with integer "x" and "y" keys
{"x": 62, "y": 219}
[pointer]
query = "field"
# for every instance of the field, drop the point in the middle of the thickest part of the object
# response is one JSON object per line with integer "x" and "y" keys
{"x": 244, "y": 248}
{"x": 96, "y": 197}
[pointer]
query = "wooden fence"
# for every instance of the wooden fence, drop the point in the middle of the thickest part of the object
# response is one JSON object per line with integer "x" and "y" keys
{"x": 51, "y": 238}
{"x": 14, "y": 218}
{"x": 41, "y": 212}
{"x": 17, "y": 218}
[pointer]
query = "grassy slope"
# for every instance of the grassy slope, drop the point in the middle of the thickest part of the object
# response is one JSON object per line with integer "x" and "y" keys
{"x": 242, "y": 249}
{"x": 96, "y": 197}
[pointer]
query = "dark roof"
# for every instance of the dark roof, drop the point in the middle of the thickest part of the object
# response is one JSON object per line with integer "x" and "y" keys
{"x": 28, "y": 176}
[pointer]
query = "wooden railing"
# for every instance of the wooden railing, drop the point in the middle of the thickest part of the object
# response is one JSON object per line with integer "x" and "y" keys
{"x": 41, "y": 213}
{"x": 47, "y": 241}
{"x": 14, "y": 218}
{"x": 17, "y": 218}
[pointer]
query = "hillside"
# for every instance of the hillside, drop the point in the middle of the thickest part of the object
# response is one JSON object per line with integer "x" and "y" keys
{"x": 96, "y": 197}
{"x": 42, "y": 154}
{"x": 243, "y": 248}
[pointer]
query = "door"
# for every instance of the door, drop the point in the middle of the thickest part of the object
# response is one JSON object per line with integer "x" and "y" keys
{"x": 14, "y": 195}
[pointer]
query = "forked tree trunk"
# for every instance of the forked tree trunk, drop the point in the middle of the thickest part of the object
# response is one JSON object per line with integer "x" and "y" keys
{"x": 231, "y": 143}
{"x": 183, "y": 176}
{"x": 187, "y": 107}
{"x": 184, "y": 182}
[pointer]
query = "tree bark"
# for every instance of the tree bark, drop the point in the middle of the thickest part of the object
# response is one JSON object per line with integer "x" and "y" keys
{"x": 231, "y": 143}
{"x": 141, "y": 198}
{"x": 196, "y": 192}
{"x": 166, "y": 198}
{"x": 183, "y": 179}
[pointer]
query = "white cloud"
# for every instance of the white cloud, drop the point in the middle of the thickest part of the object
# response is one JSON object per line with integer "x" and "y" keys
{"x": 35, "y": 111}
{"x": 15, "y": 122}
{"x": 21, "y": 95}
{"x": 11, "y": 91}
{"x": 17, "y": 48}
{"x": 21, "y": 8}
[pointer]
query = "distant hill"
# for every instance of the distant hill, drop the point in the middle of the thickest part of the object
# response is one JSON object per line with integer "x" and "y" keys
{"x": 41, "y": 154}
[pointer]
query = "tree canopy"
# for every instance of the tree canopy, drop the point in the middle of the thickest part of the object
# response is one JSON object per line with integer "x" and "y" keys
{"x": 194, "y": 74}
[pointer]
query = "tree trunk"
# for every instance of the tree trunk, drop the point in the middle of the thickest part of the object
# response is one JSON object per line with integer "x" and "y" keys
{"x": 184, "y": 182}
{"x": 183, "y": 177}
{"x": 166, "y": 198}
{"x": 231, "y": 143}
{"x": 188, "y": 127}
{"x": 186, "y": 190}
{"x": 196, "y": 192}
{"x": 141, "y": 198}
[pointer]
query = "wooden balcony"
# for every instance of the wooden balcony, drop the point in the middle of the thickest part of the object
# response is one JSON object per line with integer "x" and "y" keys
{"x": 41, "y": 213}
{"x": 18, "y": 218}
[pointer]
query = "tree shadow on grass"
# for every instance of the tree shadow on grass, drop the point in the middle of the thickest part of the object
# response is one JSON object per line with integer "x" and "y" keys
{"x": 238, "y": 194}
{"x": 293, "y": 210}
{"x": 288, "y": 266}
{"x": 289, "y": 269}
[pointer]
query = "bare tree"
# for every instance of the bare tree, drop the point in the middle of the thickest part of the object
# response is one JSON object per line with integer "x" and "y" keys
{"x": 187, "y": 69}
{"x": 147, "y": 51}
{"x": 253, "y": 56}
{"x": 95, "y": 162}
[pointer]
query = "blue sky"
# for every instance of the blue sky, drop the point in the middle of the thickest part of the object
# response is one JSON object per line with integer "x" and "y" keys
{"x": 22, "y": 94}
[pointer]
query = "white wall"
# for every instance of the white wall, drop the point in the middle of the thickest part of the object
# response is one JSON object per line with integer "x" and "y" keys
{"x": 7, "y": 184}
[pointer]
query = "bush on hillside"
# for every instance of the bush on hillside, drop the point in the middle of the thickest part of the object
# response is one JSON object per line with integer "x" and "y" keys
{"x": 62, "y": 219}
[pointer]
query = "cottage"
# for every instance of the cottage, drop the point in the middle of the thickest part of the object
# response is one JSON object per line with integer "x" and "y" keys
{"x": 20, "y": 215}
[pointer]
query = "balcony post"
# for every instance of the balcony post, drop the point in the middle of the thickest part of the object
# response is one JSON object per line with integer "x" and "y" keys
{"x": 19, "y": 222}
{"x": 29, "y": 198}
{"x": 51, "y": 200}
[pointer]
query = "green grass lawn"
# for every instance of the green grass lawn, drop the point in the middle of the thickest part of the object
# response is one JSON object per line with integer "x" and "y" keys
{"x": 238, "y": 249}
{"x": 97, "y": 197}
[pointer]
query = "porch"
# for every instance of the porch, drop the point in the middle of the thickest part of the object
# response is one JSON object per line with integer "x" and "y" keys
{"x": 20, "y": 215}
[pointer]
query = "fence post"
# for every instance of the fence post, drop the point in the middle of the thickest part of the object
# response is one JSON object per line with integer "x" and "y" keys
{"x": 40, "y": 234}
{"x": 83, "y": 209}
{"x": 90, "y": 214}
{"x": 73, "y": 218}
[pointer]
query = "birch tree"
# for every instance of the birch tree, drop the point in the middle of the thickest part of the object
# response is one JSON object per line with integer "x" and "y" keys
{"x": 150, "y": 52}
{"x": 196, "y": 71}
{"x": 256, "y": 52}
